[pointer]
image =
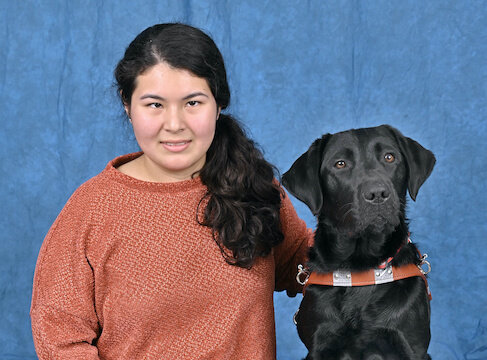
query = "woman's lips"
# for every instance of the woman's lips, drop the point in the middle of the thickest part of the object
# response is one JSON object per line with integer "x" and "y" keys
{"x": 176, "y": 146}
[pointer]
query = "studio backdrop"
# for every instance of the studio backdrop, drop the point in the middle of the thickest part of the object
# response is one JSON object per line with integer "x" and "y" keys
{"x": 297, "y": 69}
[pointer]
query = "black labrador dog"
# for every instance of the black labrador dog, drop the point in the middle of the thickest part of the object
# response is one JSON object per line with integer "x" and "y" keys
{"x": 355, "y": 183}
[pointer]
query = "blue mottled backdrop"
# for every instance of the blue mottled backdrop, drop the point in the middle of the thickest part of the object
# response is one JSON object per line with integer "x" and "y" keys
{"x": 297, "y": 69}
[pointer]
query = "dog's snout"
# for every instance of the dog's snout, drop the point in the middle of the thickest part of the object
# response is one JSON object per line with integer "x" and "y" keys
{"x": 376, "y": 192}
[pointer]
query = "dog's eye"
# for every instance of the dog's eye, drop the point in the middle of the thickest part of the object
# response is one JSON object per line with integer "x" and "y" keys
{"x": 389, "y": 158}
{"x": 340, "y": 164}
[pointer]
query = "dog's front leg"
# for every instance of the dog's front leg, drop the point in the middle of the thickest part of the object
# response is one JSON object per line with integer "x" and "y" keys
{"x": 332, "y": 344}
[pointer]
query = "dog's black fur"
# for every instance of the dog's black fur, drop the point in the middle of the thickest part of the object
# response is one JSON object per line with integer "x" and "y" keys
{"x": 355, "y": 183}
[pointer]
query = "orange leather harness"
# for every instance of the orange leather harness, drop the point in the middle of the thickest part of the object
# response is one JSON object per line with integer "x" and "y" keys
{"x": 378, "y": 276}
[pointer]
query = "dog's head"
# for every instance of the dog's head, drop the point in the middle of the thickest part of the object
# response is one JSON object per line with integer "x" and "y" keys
{"x": 357, "y": 180}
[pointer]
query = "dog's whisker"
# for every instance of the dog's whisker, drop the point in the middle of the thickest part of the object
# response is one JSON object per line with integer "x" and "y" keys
{"x": 345, "y": 205}
{"x": 342, "y": 220}
{"x": 346, "y": 213}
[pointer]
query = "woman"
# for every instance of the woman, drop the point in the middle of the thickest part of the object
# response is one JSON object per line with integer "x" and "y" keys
{"x": 173, "y": 252}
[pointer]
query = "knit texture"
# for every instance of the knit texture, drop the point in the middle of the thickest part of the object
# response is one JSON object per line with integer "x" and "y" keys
{"x": 126, "y": 272}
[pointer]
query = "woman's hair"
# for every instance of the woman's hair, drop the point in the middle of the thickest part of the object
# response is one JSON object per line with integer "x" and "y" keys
{"x": 243, "y": 200}
{"x": 182, "y": 47}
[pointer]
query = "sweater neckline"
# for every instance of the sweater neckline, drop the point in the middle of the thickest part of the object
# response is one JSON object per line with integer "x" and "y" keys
{"x": 174, "y": 187}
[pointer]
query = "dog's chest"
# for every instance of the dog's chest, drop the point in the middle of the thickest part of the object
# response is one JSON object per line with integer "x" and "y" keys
{"x": 353, "y": 305}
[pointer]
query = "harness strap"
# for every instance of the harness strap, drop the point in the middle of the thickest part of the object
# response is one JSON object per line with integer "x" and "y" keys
{"x": 370, "y": 277}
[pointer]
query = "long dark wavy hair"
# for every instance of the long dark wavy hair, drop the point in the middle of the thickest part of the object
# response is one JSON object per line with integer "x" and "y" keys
{"x": 243, "y": 199}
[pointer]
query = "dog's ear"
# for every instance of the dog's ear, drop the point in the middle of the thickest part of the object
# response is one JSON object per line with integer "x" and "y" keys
{"x": 303, "y": 178}
{"x": 420, "y": 161}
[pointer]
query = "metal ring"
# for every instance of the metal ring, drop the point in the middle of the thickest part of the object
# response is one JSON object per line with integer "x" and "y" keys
{"x": 424, "y": 262}
{"x": 302, "y": 271}
{"x": 294, "y": 317}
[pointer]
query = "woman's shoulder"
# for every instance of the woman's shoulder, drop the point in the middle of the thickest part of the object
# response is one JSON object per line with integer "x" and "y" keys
{"x": 111, "y": 173}
{"x": 102, "y": 183}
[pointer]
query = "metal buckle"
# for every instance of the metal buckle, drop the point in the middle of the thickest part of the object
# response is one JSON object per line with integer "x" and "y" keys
{"x": 424, "y": 262}
{"x": 302, "y": 271}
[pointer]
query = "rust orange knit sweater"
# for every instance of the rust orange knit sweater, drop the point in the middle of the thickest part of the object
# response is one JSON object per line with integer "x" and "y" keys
{"x": 126, "y": 272}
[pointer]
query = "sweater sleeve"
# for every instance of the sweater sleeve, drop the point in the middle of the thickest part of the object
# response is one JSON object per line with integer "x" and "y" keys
{"x": 293, "y": 250}
{"x": 64, "y": 321}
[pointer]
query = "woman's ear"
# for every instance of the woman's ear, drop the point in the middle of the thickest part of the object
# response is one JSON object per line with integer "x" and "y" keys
{"x": 127, "y": 111}
{"x": 126, "y": 107}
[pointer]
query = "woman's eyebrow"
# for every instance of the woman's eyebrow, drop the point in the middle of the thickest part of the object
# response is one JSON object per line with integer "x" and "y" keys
{"x": 157, "y": 97}
{"x": 192, "y": 95}
{"x": 151, "y": 96}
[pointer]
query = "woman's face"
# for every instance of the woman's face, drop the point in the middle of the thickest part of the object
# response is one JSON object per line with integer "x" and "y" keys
{"x": 173, "y": 114}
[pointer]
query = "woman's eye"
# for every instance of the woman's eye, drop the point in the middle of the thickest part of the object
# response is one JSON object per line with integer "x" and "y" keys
{"x": 389, "y": 158}
{"x": 155, "y": 105}
{"x": 340, "y": 164}
{"x": 193, "y": 103}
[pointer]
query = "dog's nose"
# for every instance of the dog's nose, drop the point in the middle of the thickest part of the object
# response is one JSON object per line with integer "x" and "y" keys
{"x": 376, "y": 193}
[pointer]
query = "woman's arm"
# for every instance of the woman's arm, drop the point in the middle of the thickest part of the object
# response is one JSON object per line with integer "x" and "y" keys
{"x": 293, "y": 250}
{"x": 64, "y": 321}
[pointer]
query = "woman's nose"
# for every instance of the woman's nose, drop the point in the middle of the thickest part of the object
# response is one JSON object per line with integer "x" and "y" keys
{"x": 174, "y": 120}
